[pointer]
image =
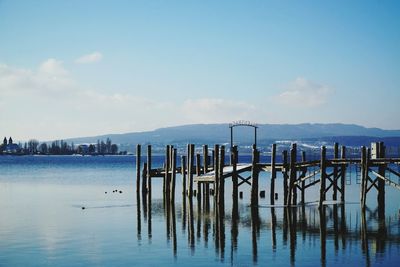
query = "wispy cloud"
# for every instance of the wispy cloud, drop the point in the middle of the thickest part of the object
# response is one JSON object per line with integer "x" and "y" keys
{"x": 90, "y": 58}
{"x": 303, "y": 93}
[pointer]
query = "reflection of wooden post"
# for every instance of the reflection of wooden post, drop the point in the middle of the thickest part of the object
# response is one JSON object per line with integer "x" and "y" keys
{"x": 139, "y": 217}
{"x": 285, "y": 176}
{"x": 138, "y": 148}
{"x": 173, "y": 224}
{"x": 273, "y": 228}
{"x": 335, "y": 171}
{"x": 343, "y": 175}
{"x": 255, "y": 225}
{"x": 336, "y": 227}
{"x": 183, "y": 172}
{"x": 254, "y": 177}
{"x": 191, "y": 224}
{"x": 273, "y": 174}
{"x": 364, "y": 237}
{"x": 322, "y": 233}
{"x": 322, "y": 177}
{"x": 173, "y": 175}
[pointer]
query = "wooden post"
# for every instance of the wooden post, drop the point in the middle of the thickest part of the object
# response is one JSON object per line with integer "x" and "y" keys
{"x": 221, "y": 184}
{"x": 273, "y": 174}
{"x": 363, "y": 178}
{"x": 285, "y": 176}
{"x": 149, "y": 172}
{"x": 206, "y": 186}
{"x": 138, "y": 168}
{"x": 173, "y": 175}
{"x": 235, "y": 186}
{"x": 292, "y": 195}
{"x": 303, "y": 183}
{"x": 144, "y": 179}
{"x": 166, "y": 184}
{"x": 381, "y": 183}
{"x": 190, "y": 169}
{"x": 335, "y": 171}
{"x": 322, "y": 195}
{"x": 343, "y": 175}
{"x": 183, "y": 172}
{"x": 198, "y": 173}
{"x": 216, "y": 172}
{"x": 254, "y": 177}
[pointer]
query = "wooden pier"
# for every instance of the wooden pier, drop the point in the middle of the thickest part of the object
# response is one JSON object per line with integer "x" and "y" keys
{"x": 204, "y": 176}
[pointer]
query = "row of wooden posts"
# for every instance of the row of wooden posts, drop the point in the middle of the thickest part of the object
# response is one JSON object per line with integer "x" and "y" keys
{"x": 206, "y": 170}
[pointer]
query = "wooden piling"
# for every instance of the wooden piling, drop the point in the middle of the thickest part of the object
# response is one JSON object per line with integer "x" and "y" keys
{"x": 303, "y": 183}
{"x": 254, "y": 177}
{"x": 221, "y": 184}
{"x": 235, "y": 186}
{"x": 183, "y": 173}
{"x": 381, "y": 183}
{"x": 322, "y": 192}
{"x": 191, "y": 169}
{"x": 173, "y": 175}
{"x": 343, "y": 175}
{"x": 206, "y": 187}
{"x": 149, "y": 173}
{"x": 273, "y": 174}
{"x": 166, "y": 181}
{"x": 363, "y": 176}
{"x": 198, "y": 173}
{"x": 138, "y": 168}
{"x": 285, "y": 175}
{"x": 292, "y": 195}
{"x": 144, "y": 179}
{"x": 216, "y": 172}
{"x": 335, "y": 171}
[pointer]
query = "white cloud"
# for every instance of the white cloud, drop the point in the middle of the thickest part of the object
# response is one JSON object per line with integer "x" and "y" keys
{"x": 303, "y": 93}
{"x": 89, "y": 58}
{"x": 52, "y": 67}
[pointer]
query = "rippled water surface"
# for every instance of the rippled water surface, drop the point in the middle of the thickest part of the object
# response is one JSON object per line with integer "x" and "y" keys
{"x": 84, "y": 211}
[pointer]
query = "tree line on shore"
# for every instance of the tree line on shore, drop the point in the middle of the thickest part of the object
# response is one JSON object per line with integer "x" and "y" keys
{"x": 59, "y": 147}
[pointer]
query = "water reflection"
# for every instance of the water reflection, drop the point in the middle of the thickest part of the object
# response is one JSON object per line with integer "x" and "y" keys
{"x": 297, "y": 226}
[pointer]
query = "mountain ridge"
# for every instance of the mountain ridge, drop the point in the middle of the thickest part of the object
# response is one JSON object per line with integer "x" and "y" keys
{"x": 220, "y": 133}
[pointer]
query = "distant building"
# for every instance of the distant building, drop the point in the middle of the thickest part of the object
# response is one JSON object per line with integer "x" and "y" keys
{"x": 10, "y": 148}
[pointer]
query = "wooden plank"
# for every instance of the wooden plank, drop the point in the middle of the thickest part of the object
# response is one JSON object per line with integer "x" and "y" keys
{"x": 390, "y": 182}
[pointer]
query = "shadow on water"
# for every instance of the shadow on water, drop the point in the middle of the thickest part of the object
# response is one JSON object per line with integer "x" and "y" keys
{"x": 294, "y": 226}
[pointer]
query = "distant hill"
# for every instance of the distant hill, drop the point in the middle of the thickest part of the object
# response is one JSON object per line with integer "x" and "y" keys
{"x": 267, "y": 133}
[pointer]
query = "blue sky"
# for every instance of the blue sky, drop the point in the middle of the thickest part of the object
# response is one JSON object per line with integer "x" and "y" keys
{"x": 77, "y": 68}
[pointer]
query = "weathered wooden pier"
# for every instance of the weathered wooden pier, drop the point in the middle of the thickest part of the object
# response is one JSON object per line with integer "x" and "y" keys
{"x": 204, "y": 175}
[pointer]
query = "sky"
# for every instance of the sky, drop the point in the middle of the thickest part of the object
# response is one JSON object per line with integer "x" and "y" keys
{"x": 82, "y": 68}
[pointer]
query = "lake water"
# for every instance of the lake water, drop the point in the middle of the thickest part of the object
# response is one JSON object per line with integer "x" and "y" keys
{"x": 42, "y": 222}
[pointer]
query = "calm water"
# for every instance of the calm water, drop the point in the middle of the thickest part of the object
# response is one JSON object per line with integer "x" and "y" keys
{"x": 42, "y": 222}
